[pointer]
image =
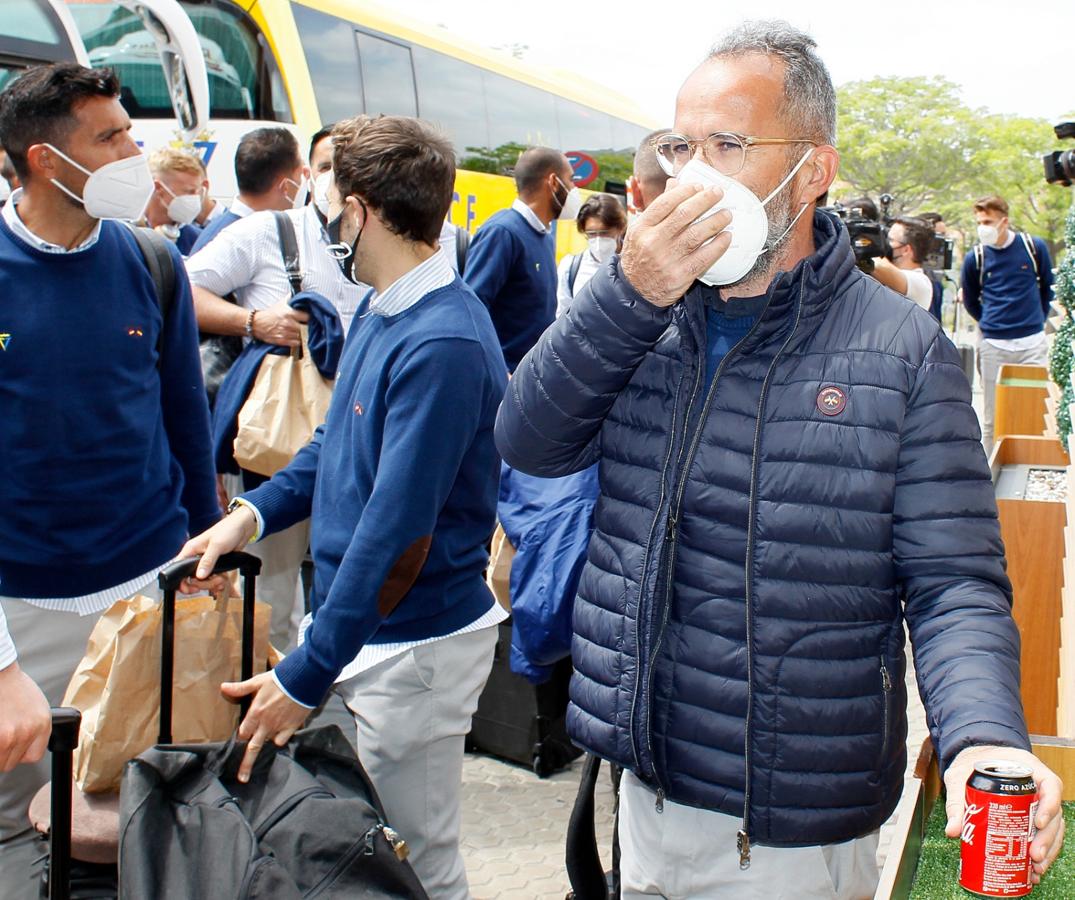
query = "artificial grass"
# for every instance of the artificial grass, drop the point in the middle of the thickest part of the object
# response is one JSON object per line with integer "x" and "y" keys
{"x": 937, "y": 877}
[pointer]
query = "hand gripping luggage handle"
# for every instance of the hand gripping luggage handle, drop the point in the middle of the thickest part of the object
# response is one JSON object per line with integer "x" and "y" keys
{"x": 62, "y": 743}
{"x": 170, "y": 578}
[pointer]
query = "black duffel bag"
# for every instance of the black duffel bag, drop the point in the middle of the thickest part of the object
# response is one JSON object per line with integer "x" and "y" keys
{"x": 307, "y": 824}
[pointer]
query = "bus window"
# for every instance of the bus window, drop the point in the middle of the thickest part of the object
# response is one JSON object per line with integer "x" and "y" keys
{"x": 519, "y": 114}
{"x": 241, "y": 70}
{"x": 450, "y": 95}
{"x": 582, "y": 128}
{"x": 626, "y": 136}
{"x": 329, "y": 46}
{"x": 30, "y": 33}
{"x": 387, "y": 76}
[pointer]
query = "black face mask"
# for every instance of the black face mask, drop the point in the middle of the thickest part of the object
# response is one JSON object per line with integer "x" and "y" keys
{"x": 344, "y": 254}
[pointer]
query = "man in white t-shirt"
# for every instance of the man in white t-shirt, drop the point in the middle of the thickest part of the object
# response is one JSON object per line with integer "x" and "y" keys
{"x": 909, "y": 240}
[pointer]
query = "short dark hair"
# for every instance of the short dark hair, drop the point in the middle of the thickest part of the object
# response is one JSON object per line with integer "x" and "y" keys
{"x": 646, "y": 166}
{"x": 918, "y": 234}
{"x": 263, "y": 155}
{"x": 404, "y": 168}
{"x": 865, "y": 206}
{"x": 604, "y": 207}
{"x": 932, "y": 217}
{"x": 323, "y": 132}
{"x": 992, "y": 203}
{"x": 37, "y": 107}
{"x": 534, "y": 166}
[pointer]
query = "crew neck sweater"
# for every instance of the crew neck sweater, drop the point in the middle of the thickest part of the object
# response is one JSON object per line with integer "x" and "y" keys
{"x": 1009, "y": 302}
{"x": 512, "y": 269}
{"x": 104, "y": 456}
{"x": 400, "y": 485}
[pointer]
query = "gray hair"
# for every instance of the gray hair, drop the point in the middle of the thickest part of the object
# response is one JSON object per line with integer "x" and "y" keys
{"x": 809, "y": 105}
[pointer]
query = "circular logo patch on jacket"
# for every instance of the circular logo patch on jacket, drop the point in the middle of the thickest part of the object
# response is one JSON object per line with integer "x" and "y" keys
{"x": 831, "y": 401}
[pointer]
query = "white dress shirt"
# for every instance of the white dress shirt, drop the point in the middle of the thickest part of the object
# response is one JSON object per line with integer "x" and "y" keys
{"x": 565, "y": 292}
{"x": 245, "y": 259}
{"x": 7, "y": 646}
{"x": 527, "y": 213}
{"x": 11, "y": 217}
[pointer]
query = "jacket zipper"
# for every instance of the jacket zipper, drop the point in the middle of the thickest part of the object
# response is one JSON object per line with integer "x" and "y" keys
{"x": 886, "y": 692}
{"x": 671, "y": 529}
{"x": 743, "y": 837}
{"x": 645, "y": 567}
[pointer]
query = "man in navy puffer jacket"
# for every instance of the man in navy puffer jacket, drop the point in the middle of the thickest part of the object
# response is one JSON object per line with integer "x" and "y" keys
{"x": 790, "y": 469}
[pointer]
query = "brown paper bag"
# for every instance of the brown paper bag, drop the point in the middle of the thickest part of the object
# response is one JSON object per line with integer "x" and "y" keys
{"x": 498, "y": 576}
{"x": 117, "y": 684}
{"x": 287, "y": 403}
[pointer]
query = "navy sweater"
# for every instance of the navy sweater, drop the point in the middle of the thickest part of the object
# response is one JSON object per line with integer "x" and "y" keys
{"x": 400, "y": 484}
{"x": 512, "y": 269}
{"x": 214, "y": 228}
{"x": 1009, "y": 302}
{"x": 104, "y": 456}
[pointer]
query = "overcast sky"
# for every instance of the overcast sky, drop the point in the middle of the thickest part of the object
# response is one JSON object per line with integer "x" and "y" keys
{"x": 1006, "y": 56}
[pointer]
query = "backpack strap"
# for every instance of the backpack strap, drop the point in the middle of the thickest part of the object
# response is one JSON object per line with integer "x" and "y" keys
{"x": 462, "y": 244}
{"x": 979, "y": 263}
{"x": 158, "y": 260}
{"x": 1028, "y": 242}
{"x": 573, "y": 272}
{"x": 289, "y": 249}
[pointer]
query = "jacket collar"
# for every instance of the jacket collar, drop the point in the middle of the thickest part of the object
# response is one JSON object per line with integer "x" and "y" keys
{"x": 818, "y": 279}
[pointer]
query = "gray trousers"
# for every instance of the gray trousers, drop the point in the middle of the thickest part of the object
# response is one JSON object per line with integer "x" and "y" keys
{"x": 50, "y": 646}
{"x": 413, "y": 712}
{"x": 990, "y": 359}
{"x": 684, "y": 853}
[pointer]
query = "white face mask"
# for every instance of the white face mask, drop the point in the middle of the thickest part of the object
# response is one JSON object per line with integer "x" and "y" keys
{"x": 302, "y": 192}
{"x": 183, "y": 208}
{"x": 602, "y": 248}
{"x": 117, "y": 190}
{"x": 749, "y": 227}
{"x": 321, "y": 185}
{"x": 572, "y": 202}
{"x": 989, "y": 235}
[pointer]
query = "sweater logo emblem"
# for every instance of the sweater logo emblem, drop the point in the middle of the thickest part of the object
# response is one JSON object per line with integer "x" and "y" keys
{"x": 358, "y": 409}
{"x": 537, "y": 267}
{"x": 831, "y": 401}
{"x": 5, "y": 339}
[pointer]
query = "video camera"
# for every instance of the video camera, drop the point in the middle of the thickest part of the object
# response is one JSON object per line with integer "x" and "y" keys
{"x": 1060, "y": 164}
{"x": 868, "y": 229}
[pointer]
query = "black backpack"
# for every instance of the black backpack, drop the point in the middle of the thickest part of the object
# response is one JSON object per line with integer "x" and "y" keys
{"x": 308, "y": 824}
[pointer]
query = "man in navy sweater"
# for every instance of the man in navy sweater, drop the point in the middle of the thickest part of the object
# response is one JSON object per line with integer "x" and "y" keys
{"x": 1007, "y": 285}
{"x": 400, "y": 485}
{"x": 511, "y": 264}
{"x": 104, "y": 438}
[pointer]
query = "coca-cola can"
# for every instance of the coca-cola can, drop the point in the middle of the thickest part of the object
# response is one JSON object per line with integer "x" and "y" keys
{"x": 998, "y": 826}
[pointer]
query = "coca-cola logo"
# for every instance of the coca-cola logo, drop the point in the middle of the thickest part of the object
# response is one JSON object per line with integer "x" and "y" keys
{"x": 967, "y": 833}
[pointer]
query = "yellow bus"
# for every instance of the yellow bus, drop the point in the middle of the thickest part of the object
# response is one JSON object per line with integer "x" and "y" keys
{"x": 305, "y": 63}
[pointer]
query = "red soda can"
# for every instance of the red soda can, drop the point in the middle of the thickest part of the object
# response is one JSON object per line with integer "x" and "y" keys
{"x": 998, "y": 826}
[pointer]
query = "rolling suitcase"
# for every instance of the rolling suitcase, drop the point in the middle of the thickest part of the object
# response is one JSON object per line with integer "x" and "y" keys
{"x": 520, "y": 721}
{"x": 64, "y": 870}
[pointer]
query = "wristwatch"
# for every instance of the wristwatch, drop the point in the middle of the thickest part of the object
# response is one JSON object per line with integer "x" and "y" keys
{"x": 235, "y": 504}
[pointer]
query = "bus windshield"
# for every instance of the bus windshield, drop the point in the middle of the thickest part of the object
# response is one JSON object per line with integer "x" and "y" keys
{"x": 30, "y": 33}
{"x": 244, "y": 81}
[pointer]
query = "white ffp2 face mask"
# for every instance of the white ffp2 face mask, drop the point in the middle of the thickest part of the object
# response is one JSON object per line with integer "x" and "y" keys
{"x": 572, "y": 202}
{"x": 302, "y": 192}
{"x": 183, "y": 208}
{"x": 749, "y": 227}
{"x": 117, "y": 190}
{"x": 602, "y": 248}
{"x": 321, "y": 185}
{"x": 989, "y": 235}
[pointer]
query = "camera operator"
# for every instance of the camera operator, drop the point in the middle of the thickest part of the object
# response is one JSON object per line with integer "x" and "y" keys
{"x": 909, "y": 242}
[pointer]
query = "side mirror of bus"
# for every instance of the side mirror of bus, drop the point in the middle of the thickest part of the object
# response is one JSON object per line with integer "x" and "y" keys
{"x": 181, "y": 60}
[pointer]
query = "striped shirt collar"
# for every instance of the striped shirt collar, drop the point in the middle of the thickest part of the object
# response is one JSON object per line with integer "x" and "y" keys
{"x": 11, "y": 217}
{"x": 531, "y": 217}
{"x": 436, "y": 272}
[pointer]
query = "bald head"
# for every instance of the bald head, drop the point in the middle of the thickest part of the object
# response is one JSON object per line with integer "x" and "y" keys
{"x": 534, "y": 167}
{"x": 650, "y": 178}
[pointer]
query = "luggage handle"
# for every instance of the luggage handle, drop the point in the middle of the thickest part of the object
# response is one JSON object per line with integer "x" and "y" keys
{"x": 171, "y": 576}
{"x": 62, "y": 744}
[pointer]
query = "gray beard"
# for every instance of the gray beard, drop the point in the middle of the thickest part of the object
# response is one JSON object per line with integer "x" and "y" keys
{"x": 780, "y": 215}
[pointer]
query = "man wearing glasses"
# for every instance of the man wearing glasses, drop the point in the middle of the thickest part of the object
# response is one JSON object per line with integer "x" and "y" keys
{"x": 790, "y": 469}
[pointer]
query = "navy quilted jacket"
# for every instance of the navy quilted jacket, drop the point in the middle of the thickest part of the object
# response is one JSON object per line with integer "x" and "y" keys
{"x": 739, "y": 629}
